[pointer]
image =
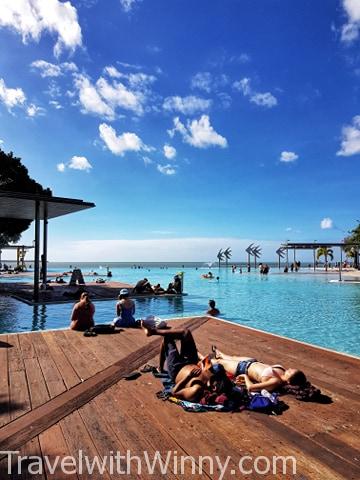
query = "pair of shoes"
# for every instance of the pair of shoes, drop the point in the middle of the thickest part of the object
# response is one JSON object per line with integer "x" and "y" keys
{"x": 90, "y": 333}
{"x": 147, "y": 368}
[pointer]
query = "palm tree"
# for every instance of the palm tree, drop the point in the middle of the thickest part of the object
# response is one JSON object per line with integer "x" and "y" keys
{"x": 227, "y": 254}
{"x": 220, "y": 256}
{"x": 325, "y": 252}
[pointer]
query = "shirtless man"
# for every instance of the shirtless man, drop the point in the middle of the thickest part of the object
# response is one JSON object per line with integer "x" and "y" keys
{"x": 190, "y": 374}
{"x": 258, "y": 375}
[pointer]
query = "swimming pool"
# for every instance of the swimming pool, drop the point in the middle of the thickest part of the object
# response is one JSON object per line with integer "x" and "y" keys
{"x": 306, "y": 307}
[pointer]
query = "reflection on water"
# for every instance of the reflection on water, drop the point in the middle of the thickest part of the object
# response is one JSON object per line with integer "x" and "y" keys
{"x": 39, "y": 317}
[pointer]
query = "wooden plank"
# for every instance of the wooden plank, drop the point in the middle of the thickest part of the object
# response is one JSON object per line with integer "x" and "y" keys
{"x": 18, "y": 387}
{"x": 54, "y": 382}
{"x": 78, "y": 438}
{"x": 68, "y": 374}
{"x": 133, "y": 431}
{"x": 4, "y": 381}
{"x": 41, "y": 418}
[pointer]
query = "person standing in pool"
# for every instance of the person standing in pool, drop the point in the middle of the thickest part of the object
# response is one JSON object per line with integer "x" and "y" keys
{"x": 213, "y": 311}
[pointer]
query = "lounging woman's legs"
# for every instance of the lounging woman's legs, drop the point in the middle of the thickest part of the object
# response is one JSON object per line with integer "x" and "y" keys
{"x": 229, "y": 362}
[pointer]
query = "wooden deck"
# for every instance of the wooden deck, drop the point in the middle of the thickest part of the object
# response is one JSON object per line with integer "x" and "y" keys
{"x": 61, "y": 392}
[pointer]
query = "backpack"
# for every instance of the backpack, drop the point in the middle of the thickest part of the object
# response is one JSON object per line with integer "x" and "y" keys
{"x": 263, "y": 402}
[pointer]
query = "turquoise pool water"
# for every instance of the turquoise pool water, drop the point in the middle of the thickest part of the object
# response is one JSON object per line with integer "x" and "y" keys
{"x": 307, "y": 307}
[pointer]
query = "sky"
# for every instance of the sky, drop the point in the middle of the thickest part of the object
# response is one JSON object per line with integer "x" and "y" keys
{"x": 192, "y": 126}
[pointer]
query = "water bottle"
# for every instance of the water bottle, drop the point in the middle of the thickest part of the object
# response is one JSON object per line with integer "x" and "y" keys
{"x": 269, "y": 395}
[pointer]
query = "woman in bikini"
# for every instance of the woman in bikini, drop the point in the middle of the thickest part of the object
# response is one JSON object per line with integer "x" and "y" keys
{"x": 258, "y": 375}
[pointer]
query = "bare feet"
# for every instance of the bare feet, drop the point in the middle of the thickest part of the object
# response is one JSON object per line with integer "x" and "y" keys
{"x": 216, "y": 352}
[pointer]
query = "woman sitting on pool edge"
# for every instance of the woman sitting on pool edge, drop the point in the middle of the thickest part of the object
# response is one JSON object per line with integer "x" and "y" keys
{"x": 258, "y": 375}
{"x": 82, "y": 316}
{"x": 125, "y": 310}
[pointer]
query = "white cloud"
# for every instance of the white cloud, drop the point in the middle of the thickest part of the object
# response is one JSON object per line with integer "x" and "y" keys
{"x": 112, "y": 72}
{"x": 326, "y": 223}
{"x": 91, "y": 100}
{"x": 120, "y": 144}
{"x": 117, "y": 95}
{"x": 128, "y": 5}
{"x": 34, "y": 111}
{"x": 225, "y": 99}
{"x": 48, "y": 69}
{"x": 266, "y": 99}
{"x": 169, "y": 152}
{"x": 30, "y": 18}
{"x": 350, "y": 144}
{"x": 166, "y": 169}
{"x": 350, "y": 31}
{"x": 198, "y": 133}
{"x": 76, "y": 163}
{"x": 243, "y": 86}
{"x": 1, "y": 142}
{"x": 11, "y": 97}
{"x": 201, "y": 249}
{"x": 55, "y": 104}
{"x": 288, "y": 229}
{"x": 147, "y": 161}
{"x": 79, "y": 163}
{"x": 207, "y": 82}
{"x": 288, "y": 157}
{"x": 104, "y": 97}
{"x": 186, "y": 105}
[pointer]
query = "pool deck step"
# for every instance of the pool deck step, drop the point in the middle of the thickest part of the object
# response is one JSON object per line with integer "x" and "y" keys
{"x": 61, "y": 392}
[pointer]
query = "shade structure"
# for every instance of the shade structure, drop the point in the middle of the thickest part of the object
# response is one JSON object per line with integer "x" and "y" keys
{"x": 22, "y": 206}
{"x": 315, "y": 245}
{"x": 31, "y": 206}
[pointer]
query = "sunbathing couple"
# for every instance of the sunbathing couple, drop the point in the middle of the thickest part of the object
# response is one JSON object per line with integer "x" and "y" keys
{"x": 194, "y": 374}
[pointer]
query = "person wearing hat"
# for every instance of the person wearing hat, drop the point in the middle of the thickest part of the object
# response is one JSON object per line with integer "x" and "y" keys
{"x": 125, "y": 310}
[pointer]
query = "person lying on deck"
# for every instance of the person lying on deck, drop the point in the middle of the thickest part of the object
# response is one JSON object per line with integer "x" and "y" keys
{"x": 82, "y": 316}
{"x": 190, "y": 376}
{"x": 258, "y": 375}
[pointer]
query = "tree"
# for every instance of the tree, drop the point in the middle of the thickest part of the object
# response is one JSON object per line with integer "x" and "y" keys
{"x": 14, "y": 177}
{"x": 325, "y": 252}
{"x": 220, "y": 256}
{"x": 227, "y": 254}
{"x": 352, "y": 251}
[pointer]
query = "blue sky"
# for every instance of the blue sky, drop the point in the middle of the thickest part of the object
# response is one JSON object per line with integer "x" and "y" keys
{"x": 191, "y": 125}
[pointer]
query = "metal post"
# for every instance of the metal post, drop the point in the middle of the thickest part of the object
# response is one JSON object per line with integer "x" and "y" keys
{"x": 45, "y": 238}
{"x": 287, "y": 255}
{"x": 37, "y": 251}
{"x": 340, "y": 266}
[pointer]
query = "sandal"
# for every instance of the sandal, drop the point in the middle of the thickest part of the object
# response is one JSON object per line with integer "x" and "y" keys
{"x": 147, "y": 368}
{"x": 90, "y": 333}
{"x": 132, "y": 376}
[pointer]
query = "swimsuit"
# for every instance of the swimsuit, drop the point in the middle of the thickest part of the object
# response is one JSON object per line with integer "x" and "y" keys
{"x": 126, "y": 318}
{"x": 268, "y": 372}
